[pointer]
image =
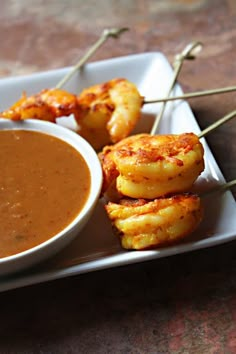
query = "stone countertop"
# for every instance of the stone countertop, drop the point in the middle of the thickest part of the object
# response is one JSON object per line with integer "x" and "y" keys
{"x": 180, "y": 304}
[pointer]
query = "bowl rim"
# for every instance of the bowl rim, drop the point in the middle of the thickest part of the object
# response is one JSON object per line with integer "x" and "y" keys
{"x": 93, "y": 163}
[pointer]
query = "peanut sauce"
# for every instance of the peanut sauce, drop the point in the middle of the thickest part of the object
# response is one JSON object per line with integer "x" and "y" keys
{"x": 44, "y": 184}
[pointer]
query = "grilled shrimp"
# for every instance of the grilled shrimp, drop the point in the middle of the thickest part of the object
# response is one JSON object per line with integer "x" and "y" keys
{"x": 105, "y": 113}
{"x": 110, "y": 111}
{"x": 146, "y": 166}
{"x": 142, "y": 224}
{"x": 48, "y": 105}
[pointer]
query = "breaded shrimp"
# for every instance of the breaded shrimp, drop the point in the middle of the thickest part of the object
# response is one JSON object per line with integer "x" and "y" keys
{"x": 48, "y": 105}
{"x": 146, "y": 166}
{"x": 110, "y": 111}
{"x": 143, "y": 224}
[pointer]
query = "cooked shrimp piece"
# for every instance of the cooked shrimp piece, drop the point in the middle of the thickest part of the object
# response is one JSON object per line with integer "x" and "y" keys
{"x": 110, "y": 111}
{"x": 142, "y": 224}
{"x": 150, "y": 166}
{"x": 105, "y": 113}
{"x": 48, "y": 105}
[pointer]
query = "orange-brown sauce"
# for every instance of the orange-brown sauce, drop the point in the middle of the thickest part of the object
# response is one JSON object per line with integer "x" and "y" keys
{"x": 44, "y": 183}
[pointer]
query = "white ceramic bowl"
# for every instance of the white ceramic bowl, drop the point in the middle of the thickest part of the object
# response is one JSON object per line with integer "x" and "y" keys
{"x": 48, "y": 248}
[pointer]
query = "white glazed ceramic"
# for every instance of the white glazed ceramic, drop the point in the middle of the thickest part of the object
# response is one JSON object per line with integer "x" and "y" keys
{"x": 48, "y": 248}
{"x": 97, "y": 247}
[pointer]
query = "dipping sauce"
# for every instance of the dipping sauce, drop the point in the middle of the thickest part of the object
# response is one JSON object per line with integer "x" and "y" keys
{"x": 44, "y": 184}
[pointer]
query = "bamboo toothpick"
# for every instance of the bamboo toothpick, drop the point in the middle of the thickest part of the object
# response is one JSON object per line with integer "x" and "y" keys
{"x": 217, "y": 124}
{"x": 188, "y": 53}
{"x": 193, "y": 95}
{"x": 107, "y": 33}
{"x": 219, "y": 188}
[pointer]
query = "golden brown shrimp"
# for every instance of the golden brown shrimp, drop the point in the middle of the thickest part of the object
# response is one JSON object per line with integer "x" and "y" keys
{"x": 146, "y": 166}
{"x": 48, "y": 105}
{"x": 105, "y": 113}
{"x": 110, "y": 111}
{"x": 143, "y": 224}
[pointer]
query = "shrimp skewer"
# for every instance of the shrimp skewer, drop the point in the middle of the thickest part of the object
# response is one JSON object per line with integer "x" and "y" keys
{"x": 144, "y": 224}
{"x": 18, "y": 110}
{"x": 146, "y": 166}
{"x": 150, "y": 166}
{"x": 104, "y": 113}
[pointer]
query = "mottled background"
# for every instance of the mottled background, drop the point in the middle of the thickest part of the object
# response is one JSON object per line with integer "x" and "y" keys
{"x": 181, "y": 304}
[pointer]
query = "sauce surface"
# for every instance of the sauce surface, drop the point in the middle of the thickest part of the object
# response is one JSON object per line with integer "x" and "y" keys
{"x": 44, "y": 183}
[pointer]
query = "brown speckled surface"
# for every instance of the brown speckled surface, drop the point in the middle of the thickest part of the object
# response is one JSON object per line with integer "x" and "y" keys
{"x": 180, "y": 304}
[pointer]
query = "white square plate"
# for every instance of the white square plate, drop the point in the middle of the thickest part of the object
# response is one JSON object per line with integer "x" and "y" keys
{"x": 96, "y": 247}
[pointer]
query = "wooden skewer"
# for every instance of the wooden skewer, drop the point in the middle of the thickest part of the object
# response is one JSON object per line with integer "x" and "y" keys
{"x": 193, "y": 95}
{"x": 228, "y": 185}
{"x": 219, "y": 188}
{"x": 107, "y": 33}
{"x": 217, "y": 124}
{"x": 188, "y": 53}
